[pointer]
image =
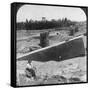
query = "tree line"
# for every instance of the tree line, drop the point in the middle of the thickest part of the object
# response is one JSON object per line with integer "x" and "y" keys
{"x": 44, "y": 24}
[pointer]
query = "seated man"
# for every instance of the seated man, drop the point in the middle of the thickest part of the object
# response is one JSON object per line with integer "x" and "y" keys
{"x": 30, "y": 71}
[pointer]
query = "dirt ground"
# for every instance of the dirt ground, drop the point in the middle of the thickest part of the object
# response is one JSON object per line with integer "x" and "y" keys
{"x": 68, "y": 71}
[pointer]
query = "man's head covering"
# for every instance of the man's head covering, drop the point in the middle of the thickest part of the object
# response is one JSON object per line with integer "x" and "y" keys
{"x": 29, "y": 66}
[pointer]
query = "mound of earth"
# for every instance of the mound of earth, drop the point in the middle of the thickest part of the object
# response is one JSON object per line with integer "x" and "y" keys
{"x": 24, "y": 50}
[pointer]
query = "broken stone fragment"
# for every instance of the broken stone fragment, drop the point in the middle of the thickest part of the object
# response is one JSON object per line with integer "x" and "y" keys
{"x": 74, "y": 79}
{"x": 28, "y": 49}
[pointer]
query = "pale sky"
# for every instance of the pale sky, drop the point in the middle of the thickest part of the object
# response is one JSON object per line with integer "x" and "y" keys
{"x": 36, "y": 12}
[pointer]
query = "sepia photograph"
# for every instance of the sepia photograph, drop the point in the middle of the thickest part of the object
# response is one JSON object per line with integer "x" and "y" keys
{"x": 51, "y": 45}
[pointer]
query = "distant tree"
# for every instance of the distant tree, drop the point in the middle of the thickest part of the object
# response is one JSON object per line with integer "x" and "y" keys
{"x": 44, "y": 24}
{"x": 76, "y": 29}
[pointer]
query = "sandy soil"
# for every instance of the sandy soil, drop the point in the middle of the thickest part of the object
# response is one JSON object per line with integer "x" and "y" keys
{"x": 68, "y": 71}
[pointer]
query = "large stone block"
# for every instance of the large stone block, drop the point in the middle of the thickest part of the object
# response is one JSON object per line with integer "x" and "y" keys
{"x": 64, "y": 50}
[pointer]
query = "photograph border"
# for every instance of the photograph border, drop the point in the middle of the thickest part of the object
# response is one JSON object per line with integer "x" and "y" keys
{"x": 14, "y": 8}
